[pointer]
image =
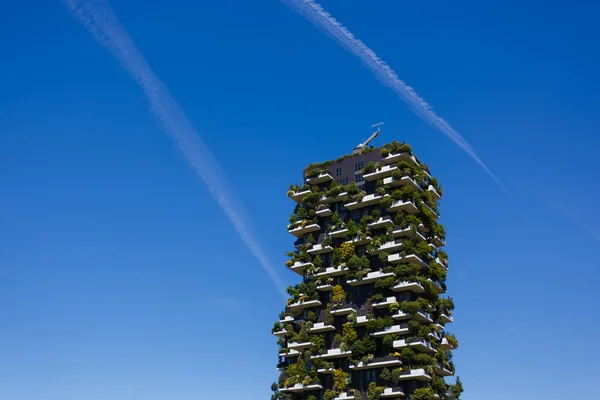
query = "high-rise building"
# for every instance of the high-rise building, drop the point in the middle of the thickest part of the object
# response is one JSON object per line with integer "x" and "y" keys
{"x": 368, "y": 320}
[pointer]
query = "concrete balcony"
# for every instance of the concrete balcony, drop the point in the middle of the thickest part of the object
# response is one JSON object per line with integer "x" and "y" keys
{"x": 333, "y": 199}
{"x": 421, "y": 316}
{"x": 368, "y": 200}
{"x": 298, "y": 195}
{"x": 360, "y": 240}
{"x": 299, "y": 267}
{"x": 399, "y": 329}
{"x": 436, "y": 195}
{"x": 445, "y": 345}
{"x": 324, "y": 211}
{"x": 381, "y": 173}
{"x": 409, "y": 258}
{"x": 280, "y": 333}
{"x": 290, "y": 353}
{"x": 409, "y": 232}
{"x": 442, "y": 370}
{"x": 300, "y": 305}
{"x": 345, "y": 396}
{"x": 437, "y": 286}
{"x": 439, "y": 242}
{"x": 377, "y": 362}
{"x": 391, "y": 246}
{"x": 404, "y": 286}
{"x": 371, "y": 277}
{"x": 343, "y": 309}
{"x": 322, "y": 178}
{"x": 362, "y": 320}
{"x": 435, "y": 214}
{"x": 382, "y": 222}
{"x": 298, "y": 229}
{"x": 401, "y": 205}
{"x": 338, "y": 232}
{"x": 299, "y": 345}
{"x": 446, "y": 318}
{"x": 321, "y": 327}
{"x": 395, "y": 158}
{"x": 297, "y": 388}
{"x": 419, "y": 374}
{"x": 288, "y": 319}
{"x": 333, "y": 353}
{"x": 441, "y": 263}
{"x": 404, "y": 181}
{"x": 325, "y": 370}
{"x": 390, "y": 392}
{"x": 320, "y": 249}
{"x": 416, "y": 343}
{"x": 330, "y": 271}
{"x": 327, "y": 287}
{"x": 385, "y": 302}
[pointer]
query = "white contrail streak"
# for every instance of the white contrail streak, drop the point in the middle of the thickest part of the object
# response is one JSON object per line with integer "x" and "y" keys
{"x": 313, "y": 12}
{"x": 100, "y": 20}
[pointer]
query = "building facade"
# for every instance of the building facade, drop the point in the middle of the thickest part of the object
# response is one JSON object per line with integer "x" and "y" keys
{"x": 368, "y": 318}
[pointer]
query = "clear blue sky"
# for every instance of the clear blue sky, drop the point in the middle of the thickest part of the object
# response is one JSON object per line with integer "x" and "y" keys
{"x": 121, "y": 278}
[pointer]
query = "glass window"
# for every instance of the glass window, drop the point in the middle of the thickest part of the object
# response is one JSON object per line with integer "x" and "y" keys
{"x": 358, "y": 166}
{"x": 358, "y": 178}
{"x": 338, "y": 171}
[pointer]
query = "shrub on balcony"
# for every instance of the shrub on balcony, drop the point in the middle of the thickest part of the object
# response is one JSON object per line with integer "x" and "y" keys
{"x": 374, "y": 391}
{"x": 349, "y": 333}
{"x": 446, "y": 303}
{"x": 278, "y": 326}
{"x": 363, "y": 347}
{"x": 452, "y": 341}
{"x": 338, "y": 296}
{"x": 377, "y": 298}
{"x": 456, "y": 389}
{"x": 312, "y": 171}
{"x": 318, "y": 343}
{"x": 386, "y": 203}
{"x": 329, "y": 394}
{"x": 340, "y": 379}
{"x": 329, "y": 318}
{"x": 388, "y": 340}
{"x": 386, "y": 376}
{"x": 425, "y": 393}
{"x": 386, "y": 283}
{"x": 352, "y": 189}
{"x": 371, "y": 167}
{"x": 396, "y": 374}
{"x": 395, "y": 306}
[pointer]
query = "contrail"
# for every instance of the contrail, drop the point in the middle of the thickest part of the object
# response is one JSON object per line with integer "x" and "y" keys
{"x": 313, "y": 12}
{"x": 100, "y": 20}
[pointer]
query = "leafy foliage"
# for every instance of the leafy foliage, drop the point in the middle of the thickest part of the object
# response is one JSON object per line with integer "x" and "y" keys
{"x": 425, "y": 393}
{"x": 340, "y": 379}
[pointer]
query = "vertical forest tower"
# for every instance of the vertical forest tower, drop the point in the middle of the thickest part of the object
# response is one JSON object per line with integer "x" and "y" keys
{"x": 368, "y": 319}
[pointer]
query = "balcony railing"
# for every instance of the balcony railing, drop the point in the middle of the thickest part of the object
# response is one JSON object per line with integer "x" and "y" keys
{"x": 404, "y": 205}
{"x": 377, "y": 362}
{"x": 405, "y": 180}
{"x": 300, "y": 228}
{"x": 321, "y": 178}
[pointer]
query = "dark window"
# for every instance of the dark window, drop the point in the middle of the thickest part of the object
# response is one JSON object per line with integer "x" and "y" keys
{"x": 358, "y": 178}
{"x": 358, "y": 166}
{"x": 338, "y": 171}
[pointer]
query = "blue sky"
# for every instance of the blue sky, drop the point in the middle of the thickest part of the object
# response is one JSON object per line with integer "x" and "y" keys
{"x": 121, "y": 278}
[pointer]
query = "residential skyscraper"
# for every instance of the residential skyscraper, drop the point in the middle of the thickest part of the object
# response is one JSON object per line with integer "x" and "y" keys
{"x": 368, "y": 319}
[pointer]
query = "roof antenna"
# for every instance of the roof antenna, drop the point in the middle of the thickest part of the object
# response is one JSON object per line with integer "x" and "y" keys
{"x": 363, "y": 146}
